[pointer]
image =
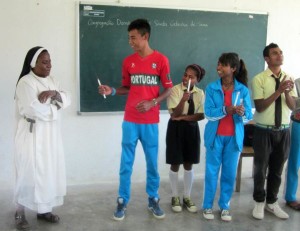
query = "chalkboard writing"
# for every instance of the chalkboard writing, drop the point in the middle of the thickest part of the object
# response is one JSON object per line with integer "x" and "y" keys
{"x": 184, "y": 36}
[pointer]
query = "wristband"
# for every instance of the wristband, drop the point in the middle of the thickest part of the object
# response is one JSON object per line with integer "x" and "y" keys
{"x": 113, "y": 91}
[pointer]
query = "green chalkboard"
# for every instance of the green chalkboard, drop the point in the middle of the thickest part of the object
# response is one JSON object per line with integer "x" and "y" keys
{"x": 184, "y": 36}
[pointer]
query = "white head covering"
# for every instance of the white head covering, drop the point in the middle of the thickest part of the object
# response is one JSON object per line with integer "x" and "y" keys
{"x": 36, "y": 55}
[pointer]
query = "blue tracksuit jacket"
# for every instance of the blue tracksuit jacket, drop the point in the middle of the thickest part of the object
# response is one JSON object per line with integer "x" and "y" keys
{"x": 214, "y": 111}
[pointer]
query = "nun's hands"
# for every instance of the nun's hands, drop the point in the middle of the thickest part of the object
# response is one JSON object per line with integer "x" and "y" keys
{"x": 45, "y": 95}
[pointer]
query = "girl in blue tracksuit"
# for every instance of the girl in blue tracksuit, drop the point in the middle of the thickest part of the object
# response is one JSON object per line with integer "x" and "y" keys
{"x": 227, "y": 107}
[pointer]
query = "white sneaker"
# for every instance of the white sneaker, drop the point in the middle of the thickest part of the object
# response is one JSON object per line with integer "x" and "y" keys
{"x": 258, "y": 211}
{"x": 225, "y": 215}
{"x": 277, "y": 211}
{"x": 208, "y": 214}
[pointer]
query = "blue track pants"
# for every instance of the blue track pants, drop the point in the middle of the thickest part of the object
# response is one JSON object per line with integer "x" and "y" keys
{"x": 148, "y": 136}
{"x": 224, "y": 154}
{"x": 293, "y": 164}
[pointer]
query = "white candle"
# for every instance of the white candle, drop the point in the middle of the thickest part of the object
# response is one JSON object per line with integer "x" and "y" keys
{"x": 236, "y": 98}
{"x": 189, "y": 84}
{"x": 104, "y": 96}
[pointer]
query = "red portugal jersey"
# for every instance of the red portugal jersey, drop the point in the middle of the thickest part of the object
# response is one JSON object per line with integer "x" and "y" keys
{"x": 144, "y": 77}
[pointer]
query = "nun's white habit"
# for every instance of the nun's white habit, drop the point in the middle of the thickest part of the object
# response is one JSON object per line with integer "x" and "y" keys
{"x": 39, "y": 155}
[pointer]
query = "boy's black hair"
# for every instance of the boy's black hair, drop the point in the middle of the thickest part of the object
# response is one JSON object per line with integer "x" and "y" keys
{"x": 266, "y": 51}
{"x": 142, "y": 25}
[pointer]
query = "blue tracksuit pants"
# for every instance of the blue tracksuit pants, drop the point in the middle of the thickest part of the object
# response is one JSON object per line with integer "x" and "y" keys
{"x": 293, "y": 164}
{"x": 224, "y": 154}
{"x": 148, "y": 136}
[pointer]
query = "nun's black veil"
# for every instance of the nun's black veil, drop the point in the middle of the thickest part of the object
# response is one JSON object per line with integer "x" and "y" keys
{"x": 26, "y": 66}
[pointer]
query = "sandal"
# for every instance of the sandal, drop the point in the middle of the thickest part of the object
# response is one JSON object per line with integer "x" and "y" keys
{"x": 49, "y": 217}
{"x": 21, "y": 222}
{"x": 294, "y": 205}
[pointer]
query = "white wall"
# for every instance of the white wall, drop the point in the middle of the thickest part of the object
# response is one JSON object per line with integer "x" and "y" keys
{"x": 92, "y": 143}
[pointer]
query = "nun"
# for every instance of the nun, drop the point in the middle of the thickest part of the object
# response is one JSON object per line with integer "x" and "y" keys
{"x": 38, "y": 151}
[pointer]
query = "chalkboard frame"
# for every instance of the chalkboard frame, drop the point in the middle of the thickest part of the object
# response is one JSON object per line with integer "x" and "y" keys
{"x": 108, "y": 101}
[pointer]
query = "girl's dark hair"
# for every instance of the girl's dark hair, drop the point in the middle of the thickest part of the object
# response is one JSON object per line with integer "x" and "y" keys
{"x": 200, "y": 72}
{"x": 233, "y": 60}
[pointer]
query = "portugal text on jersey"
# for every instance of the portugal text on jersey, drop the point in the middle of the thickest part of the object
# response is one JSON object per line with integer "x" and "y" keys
{"x": 149, "y": 80}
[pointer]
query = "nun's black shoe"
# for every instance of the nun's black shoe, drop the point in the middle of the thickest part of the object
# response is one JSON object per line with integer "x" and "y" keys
{"x": 21, "y": 222}
{"x": 49, "y": 217}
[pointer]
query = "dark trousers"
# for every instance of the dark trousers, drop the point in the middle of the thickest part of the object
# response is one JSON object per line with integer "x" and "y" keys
{"x": 271, "y": 150}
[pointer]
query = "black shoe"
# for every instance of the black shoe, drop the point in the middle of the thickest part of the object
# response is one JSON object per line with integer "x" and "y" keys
{"x": 48, "y": 217}
{"x": 294, "y": 205}
{"x": 21, "y": 222}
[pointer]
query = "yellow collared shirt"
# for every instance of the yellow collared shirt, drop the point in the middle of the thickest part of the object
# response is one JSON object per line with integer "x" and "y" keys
{"x": 176, "y": 95}
{"x": 263, "y": 85}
